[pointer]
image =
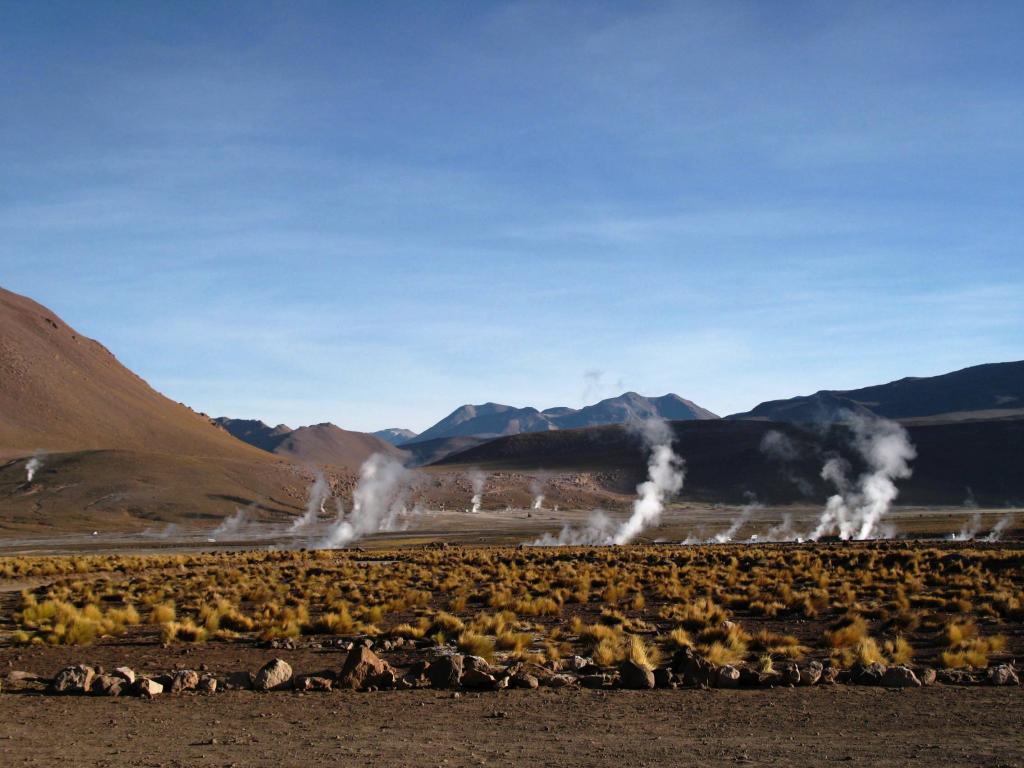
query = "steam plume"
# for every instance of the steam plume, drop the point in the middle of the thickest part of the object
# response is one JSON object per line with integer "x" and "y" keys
{"x": 741, "y": 519}
{"x": 969, "y": 529}
{"x": 665, "y": 473}
{"x": 478, "y": 479}
{"x": 537, "y": 489}
{"x": 232, "y": 525}
{"x": 33, "y": 465}
{"x": 856, "y": 510}
{"x": 319, "y": 492}
{"x": 378, "y": 502}
{"x": 1000, "y": 527}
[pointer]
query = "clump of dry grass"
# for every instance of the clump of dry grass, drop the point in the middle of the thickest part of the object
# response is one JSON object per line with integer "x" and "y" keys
{"x": 476, "y": 644}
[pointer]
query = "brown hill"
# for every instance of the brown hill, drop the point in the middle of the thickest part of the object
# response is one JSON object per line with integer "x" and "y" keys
{"x": 118, "y": 454}
{"x": 315, "y": 444}
{"x": 726, "y": 460}
{"x": 61, "y": 391}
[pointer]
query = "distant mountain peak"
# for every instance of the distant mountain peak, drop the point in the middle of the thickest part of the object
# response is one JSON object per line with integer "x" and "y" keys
{"x": 495, "y": 419}
{"x": 395, "y": 435}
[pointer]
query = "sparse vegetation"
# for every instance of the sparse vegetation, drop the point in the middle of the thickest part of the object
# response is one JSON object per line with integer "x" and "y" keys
{"x": 882, "y": 602}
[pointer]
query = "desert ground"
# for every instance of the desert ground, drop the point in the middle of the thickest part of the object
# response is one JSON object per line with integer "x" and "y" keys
{"x": 805, "y": 624}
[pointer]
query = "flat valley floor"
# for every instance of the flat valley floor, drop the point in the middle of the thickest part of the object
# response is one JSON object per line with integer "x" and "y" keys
{"x": 842, "y": 725}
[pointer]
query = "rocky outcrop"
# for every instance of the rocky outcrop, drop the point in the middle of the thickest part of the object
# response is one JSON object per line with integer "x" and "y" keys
{"x": 364, "y": 669}
{"x": 275, "y": 675}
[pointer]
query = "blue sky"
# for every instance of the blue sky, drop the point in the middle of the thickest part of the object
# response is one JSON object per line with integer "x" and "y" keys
{"x": 372, "y": 213}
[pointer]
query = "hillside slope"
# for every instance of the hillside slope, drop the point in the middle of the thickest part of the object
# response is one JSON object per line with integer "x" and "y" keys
{"x": 725, "y": 460}
{"x": 981, "y": 391}
{"x": 315, "y": 444}
{"x": 61, "y": 391}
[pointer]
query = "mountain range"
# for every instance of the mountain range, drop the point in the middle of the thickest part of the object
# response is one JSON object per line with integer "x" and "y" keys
{"x": 316, "y": 444}
{"x": 493, "y": 419}
{"x": 116, "y": 451}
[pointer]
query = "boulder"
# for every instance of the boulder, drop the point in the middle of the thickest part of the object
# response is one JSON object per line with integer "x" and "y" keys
{"x": 900, "y": 677}
{"x": 956, "y": 677}
{"x": 867, "y": 674}
{"x": 577, "y": 663}
{"x": 663, "y": 677}
{"x": 1003, "y": 674}
{"x": 523, "y": 679}
{"x": 74, "y": 679}
{"x": 207, "y": 684}
{"x": 926, "y": 675}
{"x": 635, "y": 677}
{"x": 478, "y": 675}
{"x": 790, "y": 673}
{"x": 147, "y": 688}
{"x": 313, "y": 683}
{"x": 694, "y": 670}
{"x": 108, "y": 685}
{"x": 275, "y": 675}
{"x": 125, "y": 672}
{"x": 594, "y": 681}
{"x": 810, "y": 673}
{"x": 364, "y": 669}
{"x": 728, "y": 677}
{"x": 183, "y": 680}
{"x": 416, "y": 676}
{"x": 446, "y": 672}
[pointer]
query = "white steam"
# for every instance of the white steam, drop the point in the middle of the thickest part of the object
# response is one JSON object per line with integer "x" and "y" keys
{"x": 970, "y": 528}
{"x": 319, "y": 492}
{"x": 1000, "y": 527}
{"x": 478, "y": 480}
{"x": 734, "y": 527}
{"x": 599, "y": 530}
{"x": 379, "y": 502}
{"x": 537, "y": 490}
{"x": 232, "y": 526}
{"x": 665, "y": 473}
{"x": 856, "y": 509}
{"x": 33, "y": 465}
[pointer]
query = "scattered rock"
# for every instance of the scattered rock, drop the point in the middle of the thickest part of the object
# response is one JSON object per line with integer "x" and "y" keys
{"x": 867, "y": 674}
{"x": 577, "y": 663}
{"x": 313, "y": 683}
{"x": 108, "y": 685}
{"x": 207, "y": 684}
{"x": 810, "y": 674}
{"x": 926, "y": 675}
{"x": 125, "y": 672}
{"x": 789, "y": 672}
{"x": 663, "y": 677}
{"x": 900, "y": 677}
{"x": 1003, "y": 674}
{"x": 523, "y": 679}
{"x": 183, "y": 680}
{"x": 74, "y": 679}
{"x": 363, "y": 669}
{"x": 275, "y": 675}
{"x": 147, "y": 688}
{"x": 694, "y": 670}
{"x": 728, "y": 677}
{"x": 634, "y": 676}
{"x": 446, "y": 672}
{"x": 478, "y": 675}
